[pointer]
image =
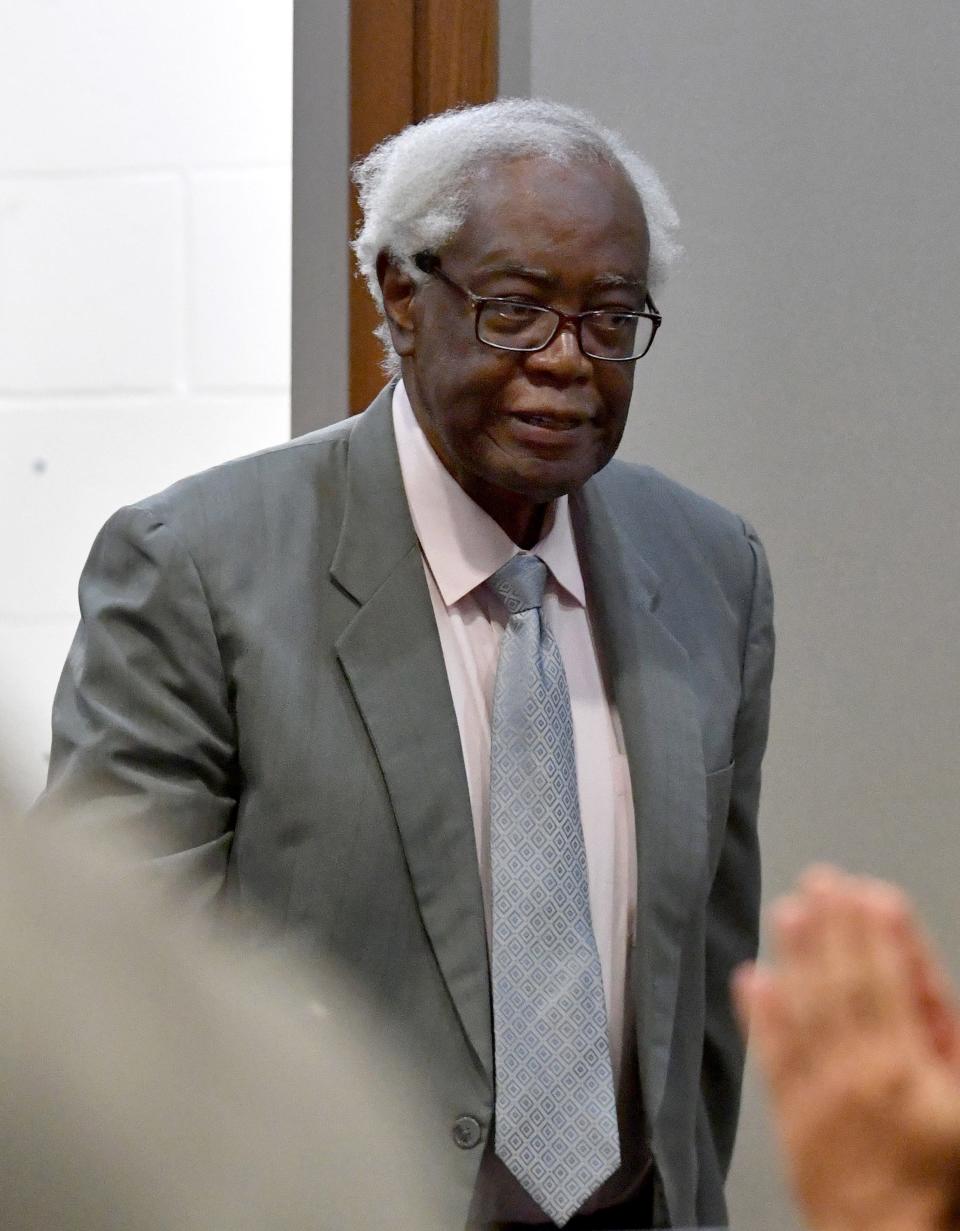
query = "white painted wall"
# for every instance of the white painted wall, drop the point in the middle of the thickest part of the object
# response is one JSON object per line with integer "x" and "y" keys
{"x": 807, "y": 375}
{"x": 144, "y": 286}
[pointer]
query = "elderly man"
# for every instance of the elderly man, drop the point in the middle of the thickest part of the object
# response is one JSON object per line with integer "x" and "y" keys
{"x": 452, "y": 698}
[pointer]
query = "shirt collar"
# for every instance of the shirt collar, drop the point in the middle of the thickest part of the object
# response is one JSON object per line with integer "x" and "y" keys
{"x": 461, "y": 543}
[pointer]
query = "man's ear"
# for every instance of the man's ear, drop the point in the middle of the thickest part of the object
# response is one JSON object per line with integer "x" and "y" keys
{"x": 398, "y": 290}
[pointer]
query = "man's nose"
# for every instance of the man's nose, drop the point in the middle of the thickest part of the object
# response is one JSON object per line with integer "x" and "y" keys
{"x": 563, "y": 358}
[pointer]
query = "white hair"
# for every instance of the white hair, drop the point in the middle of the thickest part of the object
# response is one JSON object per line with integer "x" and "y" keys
{"x": 414, "y": 187}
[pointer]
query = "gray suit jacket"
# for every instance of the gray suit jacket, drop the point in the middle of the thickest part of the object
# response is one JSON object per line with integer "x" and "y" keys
{"x": 257, "y": 682}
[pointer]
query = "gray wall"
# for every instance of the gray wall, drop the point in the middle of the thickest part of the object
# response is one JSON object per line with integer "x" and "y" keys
{"x": 320, "y": 267}
{"x": 807, "y": 375}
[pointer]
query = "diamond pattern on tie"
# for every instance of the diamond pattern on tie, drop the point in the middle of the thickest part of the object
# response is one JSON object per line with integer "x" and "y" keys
{"x": 556, "y": 1122}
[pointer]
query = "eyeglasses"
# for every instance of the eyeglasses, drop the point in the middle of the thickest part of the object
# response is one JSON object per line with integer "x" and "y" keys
{"x": 509, "y": 324}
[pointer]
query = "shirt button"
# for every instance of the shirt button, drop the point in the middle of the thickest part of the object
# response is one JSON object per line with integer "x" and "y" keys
{"x": 466, "y": 1132}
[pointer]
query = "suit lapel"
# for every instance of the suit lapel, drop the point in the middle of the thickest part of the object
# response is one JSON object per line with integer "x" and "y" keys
{"x": 648, "y": 673}
{"x": 391, "y": 656}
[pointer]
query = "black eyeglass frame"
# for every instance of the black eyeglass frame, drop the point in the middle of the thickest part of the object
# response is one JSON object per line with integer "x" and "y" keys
{"x": 429, "y": 263}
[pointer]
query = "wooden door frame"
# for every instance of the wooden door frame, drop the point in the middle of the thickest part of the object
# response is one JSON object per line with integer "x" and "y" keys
{"x": 408, "y": 59}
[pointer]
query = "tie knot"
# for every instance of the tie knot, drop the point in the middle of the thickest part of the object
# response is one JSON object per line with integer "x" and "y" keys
{"x": 520, "y": 583}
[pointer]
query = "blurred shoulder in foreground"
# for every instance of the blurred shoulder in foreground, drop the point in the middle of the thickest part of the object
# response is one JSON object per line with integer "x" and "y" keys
{"x": 150, "y": 1077}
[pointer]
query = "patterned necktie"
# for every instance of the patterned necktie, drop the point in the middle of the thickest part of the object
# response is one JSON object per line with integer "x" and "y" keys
{"x": 556, "y": 1120}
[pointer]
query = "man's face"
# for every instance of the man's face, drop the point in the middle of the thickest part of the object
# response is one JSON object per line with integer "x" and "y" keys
{"x": 516, "y": 429}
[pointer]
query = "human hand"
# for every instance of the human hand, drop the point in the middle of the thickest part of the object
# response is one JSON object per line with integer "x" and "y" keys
{"x": 857, "y": 1034}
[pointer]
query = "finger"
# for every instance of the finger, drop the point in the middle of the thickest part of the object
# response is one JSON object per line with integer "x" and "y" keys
{"x": 813, "y": 963}
{"x": 931, "y": 1003}
{"x": 935, "y": 998}
{"x": 742, "y": 993}
{"x": 790, "y": 926}
{"x": 776, "y": 1044}
{"x": 819, "y": 877}
{"x": 874, "y": 969}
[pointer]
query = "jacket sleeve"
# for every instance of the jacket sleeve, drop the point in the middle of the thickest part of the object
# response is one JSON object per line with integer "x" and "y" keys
{"x": 143, "y": 736}
{"x": 733, "y": 907}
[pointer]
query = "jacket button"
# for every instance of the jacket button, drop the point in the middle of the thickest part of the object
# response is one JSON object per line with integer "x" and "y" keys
{"x": 466, "y": 1132}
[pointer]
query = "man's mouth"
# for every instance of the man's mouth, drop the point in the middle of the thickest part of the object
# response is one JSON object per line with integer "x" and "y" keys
{"x": 553, "y": 421}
